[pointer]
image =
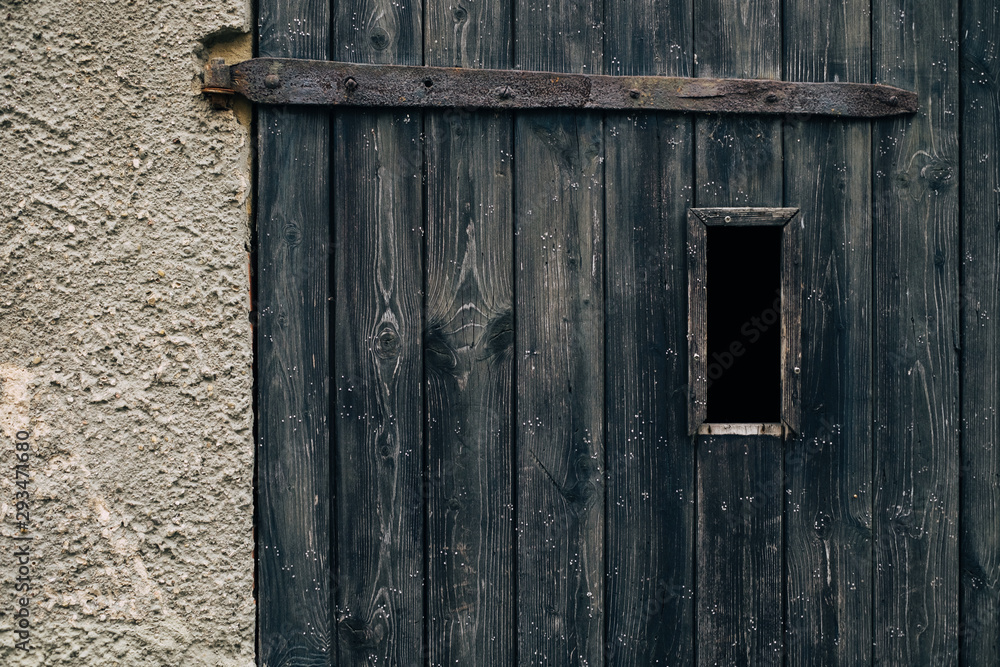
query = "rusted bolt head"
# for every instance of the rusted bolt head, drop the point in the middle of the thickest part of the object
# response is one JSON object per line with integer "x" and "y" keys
{"x": 771, "y": 98}
{"x": 634, "y": 94}
{"x": 351, "y": 84}
{"x": 272, "y": 81}
{"x": 894, "y": 101}
{"x": 505, "y": 93}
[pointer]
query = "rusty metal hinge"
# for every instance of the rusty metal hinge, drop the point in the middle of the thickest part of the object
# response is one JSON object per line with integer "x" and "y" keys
{"x": 328, "y": 83}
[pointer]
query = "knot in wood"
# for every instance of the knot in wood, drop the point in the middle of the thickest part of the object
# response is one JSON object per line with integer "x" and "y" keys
{"x": 387, "y": 343}
{"x": 379, "y": 38}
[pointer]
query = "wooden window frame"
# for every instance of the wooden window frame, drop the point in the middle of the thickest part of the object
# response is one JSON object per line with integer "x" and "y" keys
{"x": 699, "y": 220}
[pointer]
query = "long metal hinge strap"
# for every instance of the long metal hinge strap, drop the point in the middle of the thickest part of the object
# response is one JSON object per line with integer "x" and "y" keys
{"x": 328, "y": 83}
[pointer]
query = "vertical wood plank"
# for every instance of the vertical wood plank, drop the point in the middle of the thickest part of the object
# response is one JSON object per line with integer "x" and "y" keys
{"x": 739, "y": 551}
{"x": 650, "y": 459}
{"x": 378, "y": 373}
{"x": 739, "y": 478}
{"x": 739, "y": 157}
{"x": 916, "y": 315}
{"x": 791, "y": 324}
{"x": 828, "y": 466}
{"x": 469, "y": 352}
{"x": 697, "y": 308}
{"x": 980, "y": 542}
{"x": 378, "y": 351}
{"x": 292, "y": 282}
{"x": 559, "y": 349}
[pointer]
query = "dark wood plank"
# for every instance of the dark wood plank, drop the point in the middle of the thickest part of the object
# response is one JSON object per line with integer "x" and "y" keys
{"x": 469, "y": 353}
{"x": 916, "y": 316}
{"x": 979, "y": 631}
{"x": 739, "y": 158}
{"x": 559, "y": 348}
{"x": 791, "y": 324}
{"x": 828, "y": 466}
{"x": 378, "y": 350}
{"x": 473, "y": 34}
{"x": 739, "y": 574}
{"x": 650, "y": 460}
{"x": 378, "y": 373}
{"x": 294, "y": 557}
{"x": 697, "y": 308}
{"x": 739, "y": 550}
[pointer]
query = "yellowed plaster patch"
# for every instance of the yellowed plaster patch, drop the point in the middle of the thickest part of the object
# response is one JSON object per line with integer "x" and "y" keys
{"x": 15, "y": 399}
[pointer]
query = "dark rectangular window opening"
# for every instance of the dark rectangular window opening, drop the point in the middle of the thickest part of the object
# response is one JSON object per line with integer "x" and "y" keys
{"x": 744, "y": 324}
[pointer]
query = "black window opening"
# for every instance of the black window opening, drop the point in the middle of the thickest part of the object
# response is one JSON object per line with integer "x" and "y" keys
{"x": 744, "y": 320}
{"x": 744, "y": 324}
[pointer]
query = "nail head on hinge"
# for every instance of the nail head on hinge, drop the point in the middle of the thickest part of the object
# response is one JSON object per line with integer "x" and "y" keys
{"x": 272, "y": 81}
{"x": 634, "y": 94}
{"x": 351, "y": 84}
{"x": 894, "y": 101}
{"x": 771, "y": 98}
{"x": 505, "y": 93}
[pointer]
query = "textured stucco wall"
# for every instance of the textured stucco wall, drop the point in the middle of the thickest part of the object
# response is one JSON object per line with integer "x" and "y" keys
{"x": 125, "y": 347}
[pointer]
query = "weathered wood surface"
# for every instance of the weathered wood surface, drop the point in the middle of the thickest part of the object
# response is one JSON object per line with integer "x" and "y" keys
{"x": 916, "y": 317}
{"x": 378, "y": 365}
{"x": 979, "y": 631}
{"x": 697, "y": 307}
{"x": 791, "y": 325}
{"x": 739, "y": 478}
{"x": 650, "y": 460}
{"x": 468, "y": 357}
{"x": 828, "y": 465}
{"x": 738, "y": 551}
{"x": 294, "y": 594}
{"x": 499, "y": 345}
{"x": 559, "y": 350}
{"x": 347, "y": 84}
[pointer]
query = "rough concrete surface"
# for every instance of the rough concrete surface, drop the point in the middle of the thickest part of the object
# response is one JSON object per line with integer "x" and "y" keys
{"x": 125, "y": 346}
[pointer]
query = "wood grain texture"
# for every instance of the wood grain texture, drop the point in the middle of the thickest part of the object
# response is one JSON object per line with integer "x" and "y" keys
{"x": 379, "y": 354}
{"x": 650, "y": 460}
{"x": 468, "y": 353}
{"x": 559, "y": 350}
{"x": 739, "y": 551}
{"x": 378, "y": 373}
{"x": 916, "y": 315}
{"x": 791, "y": 324}
{"x": 697, "y": 302}
{"x": 738, "y": 163}
{"x": 979, "y": 632}
{"x": 469, "y": 366}
{"x": 294, "y": 595}
{"x": 739, "y": 159}
{"x": 828, "y": 466}
{"x": 477, "y": 34}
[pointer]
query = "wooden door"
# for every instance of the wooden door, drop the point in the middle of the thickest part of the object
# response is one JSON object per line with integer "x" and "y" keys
{"x": 473, "y": 353}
